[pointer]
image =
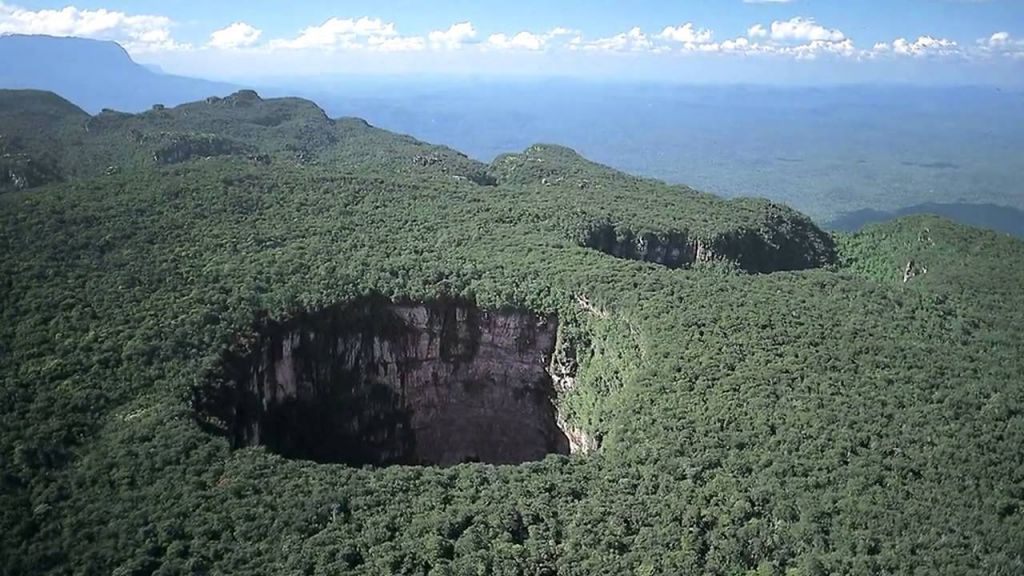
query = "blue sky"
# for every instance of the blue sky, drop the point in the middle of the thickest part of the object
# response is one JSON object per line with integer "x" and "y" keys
{"x": 795, "y": 41}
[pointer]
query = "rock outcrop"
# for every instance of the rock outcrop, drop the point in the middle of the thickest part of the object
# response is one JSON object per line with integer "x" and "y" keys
{"x": 755, "y": 251}
{"x": 913, "y": 270}
{"x": 184, "y": 147}
{"x": 671, "y": 250}
{"x": 382, "y": 383}
{"x": 18, "y": 172}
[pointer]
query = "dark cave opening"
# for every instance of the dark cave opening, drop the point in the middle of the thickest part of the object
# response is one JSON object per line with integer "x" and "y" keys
{"x": 381, "y": 383}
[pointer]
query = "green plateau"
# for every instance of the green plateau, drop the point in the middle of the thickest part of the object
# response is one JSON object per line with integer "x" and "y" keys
{"x": 240, "y": 337}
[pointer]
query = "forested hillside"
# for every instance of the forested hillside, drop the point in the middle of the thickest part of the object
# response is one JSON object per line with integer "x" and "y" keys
{"x": 724, "y": 388}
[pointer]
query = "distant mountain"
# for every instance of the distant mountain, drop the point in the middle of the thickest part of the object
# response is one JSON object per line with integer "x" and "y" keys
{"x": 95, "y": 74}
{"x": 998, "y": 218}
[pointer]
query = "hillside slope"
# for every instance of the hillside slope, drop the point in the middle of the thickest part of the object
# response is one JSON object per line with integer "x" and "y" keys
{"x": 171, "y": 332}
{"x": 629, "y": 217}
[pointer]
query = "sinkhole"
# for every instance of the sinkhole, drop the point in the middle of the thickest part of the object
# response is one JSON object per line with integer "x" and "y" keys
{"x": 380, "y": 383}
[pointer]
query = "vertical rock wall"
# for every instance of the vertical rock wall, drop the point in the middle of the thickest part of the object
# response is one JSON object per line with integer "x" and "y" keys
{"x": 796, "y": 247}
{"x": 383, "y": 383}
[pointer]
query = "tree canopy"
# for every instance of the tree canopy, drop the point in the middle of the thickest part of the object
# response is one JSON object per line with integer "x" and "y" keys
{"x": 843, "y": 418}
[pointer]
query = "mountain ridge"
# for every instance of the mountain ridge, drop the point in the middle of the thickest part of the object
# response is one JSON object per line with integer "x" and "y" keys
{"x": 296, "y": 132}
{"x": 94, "y": 74}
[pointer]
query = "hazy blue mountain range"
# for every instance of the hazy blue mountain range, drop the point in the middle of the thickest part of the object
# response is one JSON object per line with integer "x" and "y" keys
{"x": 94, "y": 74}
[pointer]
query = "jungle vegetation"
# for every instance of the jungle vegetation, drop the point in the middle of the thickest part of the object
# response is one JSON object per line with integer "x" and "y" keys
{"x": 840, "y": 418}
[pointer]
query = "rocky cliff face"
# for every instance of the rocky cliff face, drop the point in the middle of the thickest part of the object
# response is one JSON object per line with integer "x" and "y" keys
{"x": 756, "y": 251}
{"x": 672, "y": 250}
{"x": 383, "y": 383}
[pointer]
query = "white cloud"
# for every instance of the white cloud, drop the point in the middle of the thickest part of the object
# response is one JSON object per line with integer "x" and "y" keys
{"x": 632, "y": 41}
{"x": 528, "y": 40}
{"x": 799, "y": 37}
{"x": 561, "y": 31}
{"x": 815, "y": 48}
{"x": 237, "y": 35}
{"x": 999, "y": 39}
{"x": 687, "y": 34}
{"x": 375, "y": 35}
{"x": 454, "y": 37}
{"x": 805, "y": 29}
{"x": 340, "y": 33}
{"x": 396, "y": 43}
{"x": 522, "y": 41}
{"x": 757, "y": 31}
{"x": 1002, "y": 44}
{"x": 802, "y": 38}
{"x": 924, "y": 46}
{"x": 136, "y": 32}
{"x": 736, "y": 45}
{"x": 809, "y": 51}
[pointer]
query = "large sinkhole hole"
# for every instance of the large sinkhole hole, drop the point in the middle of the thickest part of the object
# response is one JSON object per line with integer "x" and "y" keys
{"x": 379, "y": 383}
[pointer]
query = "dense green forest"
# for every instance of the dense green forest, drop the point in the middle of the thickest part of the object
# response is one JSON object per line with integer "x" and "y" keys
{"x": 782, "y": 402}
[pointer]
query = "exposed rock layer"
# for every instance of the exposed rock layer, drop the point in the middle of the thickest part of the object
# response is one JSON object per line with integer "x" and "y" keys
{"x": 383, "y": 383}
{"x": 756, "y": 251}
{"x": 185, "y": 147}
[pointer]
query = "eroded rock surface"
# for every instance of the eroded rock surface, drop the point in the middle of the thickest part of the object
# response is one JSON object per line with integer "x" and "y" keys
{"x": 383, "y": 383}
{"x": 19, "y": 171}
{"x": 185, "y": 147}
{"x": 755, "y": 251}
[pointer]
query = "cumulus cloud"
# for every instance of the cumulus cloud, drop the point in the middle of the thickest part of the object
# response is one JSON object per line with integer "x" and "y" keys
{"x": 136, "y": 32}
{"x": 803, "y": 29}
{"x": 528, "y": 40}
{"x": 396, "y": 43}
{"x": 522, "y": 40}
{"x": 757, "y": 31}
{"x": 633, "y": 40}
{"x": 454, "y": 37}
{"x": 799, "y": 37}
{"x": 809, "y": 51}
{"x": 562, "y": 31}
{"x": 815, "y": 48}
{"x": 687, "y": 34}
{"x": 802, "y": 38}
{"x": 237, "y": 35}
{"x": 1002, "y": 44}
{"x": 739, "y": 45}
{"x": 923, "y": 46}
{"x": 998, "y": 39}
{"x": 340, "y": 33}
